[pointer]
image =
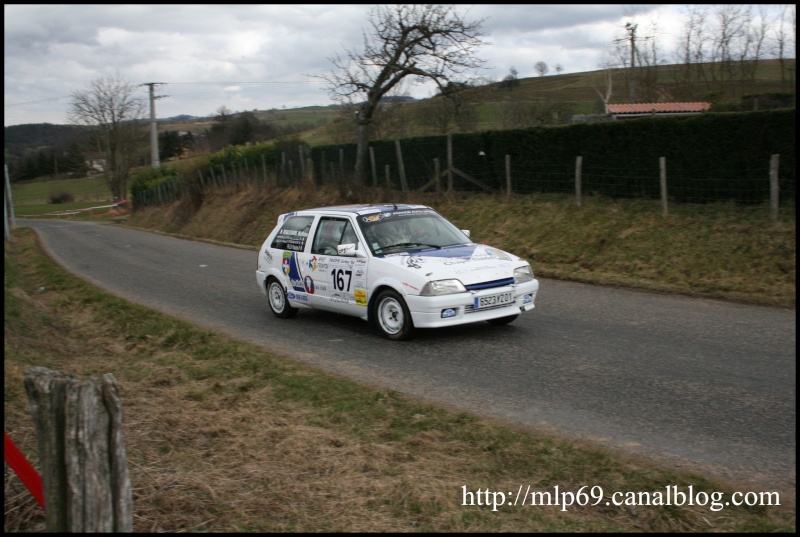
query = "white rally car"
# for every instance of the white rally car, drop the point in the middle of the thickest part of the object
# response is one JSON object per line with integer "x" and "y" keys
{"x": 397, "y": 266}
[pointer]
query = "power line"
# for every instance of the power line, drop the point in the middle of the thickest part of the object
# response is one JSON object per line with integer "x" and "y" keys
{"x": 39, "y": 101}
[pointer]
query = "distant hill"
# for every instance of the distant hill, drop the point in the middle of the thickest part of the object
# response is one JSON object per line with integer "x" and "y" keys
{"x": 20, "y": 139}
{"x": 581, "y": 91}
{"x": 182, "y": 117}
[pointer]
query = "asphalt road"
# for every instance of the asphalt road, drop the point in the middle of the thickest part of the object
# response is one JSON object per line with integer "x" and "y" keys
{"x": 698, "y": 384}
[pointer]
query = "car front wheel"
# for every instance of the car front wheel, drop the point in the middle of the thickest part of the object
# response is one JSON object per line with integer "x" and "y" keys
{"x": 392, "y": 317}
{"x": 278, "y": 302}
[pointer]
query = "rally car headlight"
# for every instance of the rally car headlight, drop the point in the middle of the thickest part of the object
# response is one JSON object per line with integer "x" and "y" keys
{"x": 442, "y": 287}
{"x": 523, "y": 274}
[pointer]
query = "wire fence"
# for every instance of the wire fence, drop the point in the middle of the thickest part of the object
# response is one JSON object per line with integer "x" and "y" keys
{"x": 761, "y": 182}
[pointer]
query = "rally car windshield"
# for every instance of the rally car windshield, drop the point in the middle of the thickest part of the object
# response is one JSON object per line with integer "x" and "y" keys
{"x": 414, "y": 229}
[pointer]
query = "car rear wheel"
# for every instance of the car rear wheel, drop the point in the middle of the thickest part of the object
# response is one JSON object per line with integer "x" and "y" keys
{"x": 502, "y": 320}
{"x": 392, "y": 317}
{"x": 278, "y": 302}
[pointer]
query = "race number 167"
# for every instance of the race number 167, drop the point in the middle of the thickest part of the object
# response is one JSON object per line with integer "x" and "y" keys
{"x": 338, "y": 279}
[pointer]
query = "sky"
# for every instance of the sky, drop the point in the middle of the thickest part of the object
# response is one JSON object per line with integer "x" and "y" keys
{"x": 267, "y": 56}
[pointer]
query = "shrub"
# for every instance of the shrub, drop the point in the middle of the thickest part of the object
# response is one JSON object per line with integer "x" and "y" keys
{"x": 150, "y": 177}
{"x": 60, "y": 197}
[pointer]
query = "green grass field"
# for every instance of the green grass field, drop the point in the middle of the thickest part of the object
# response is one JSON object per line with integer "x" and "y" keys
{"x": 87, "y": 190}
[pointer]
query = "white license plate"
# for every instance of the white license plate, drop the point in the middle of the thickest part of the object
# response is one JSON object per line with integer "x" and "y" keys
{"x": 494, "y": 300}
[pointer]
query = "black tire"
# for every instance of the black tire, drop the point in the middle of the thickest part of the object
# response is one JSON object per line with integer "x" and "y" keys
{"x": 392, "y": 317}
{"x": 278, "y": 302}
{"x": 502, "y": 320}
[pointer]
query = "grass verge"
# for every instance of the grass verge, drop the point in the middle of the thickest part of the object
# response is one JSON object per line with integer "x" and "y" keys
{"x": 722, "y": 251}
{"x": 222, "y": 436}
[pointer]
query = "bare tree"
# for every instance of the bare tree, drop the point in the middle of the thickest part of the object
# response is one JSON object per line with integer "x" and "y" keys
{"x": 541, "y": 68}
{"x": 112, "y": 108}
{"x": 648, "y": 56}
{"x": 511, "y": 80}
{"x": 605, "y": 96}
{"x": 422, "y": 41}
{"x": 785, "y": 42}
{"x": 756, "y": 36}
{"x": 559, "y": 68}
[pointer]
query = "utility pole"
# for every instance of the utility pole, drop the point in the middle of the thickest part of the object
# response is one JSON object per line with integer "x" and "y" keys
{"x": 632, "y": 71}
{"x": 154, "y": 159}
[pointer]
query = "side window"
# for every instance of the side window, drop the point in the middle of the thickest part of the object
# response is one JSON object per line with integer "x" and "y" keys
{"x": 328, "y": 236}
{"x": 293, "y": 233}
{"x": 349, "y": 235}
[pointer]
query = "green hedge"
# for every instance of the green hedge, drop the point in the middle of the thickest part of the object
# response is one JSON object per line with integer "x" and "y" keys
{"x": 710, "y": 157}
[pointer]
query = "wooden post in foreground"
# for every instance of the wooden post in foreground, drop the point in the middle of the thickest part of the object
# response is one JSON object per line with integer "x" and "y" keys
{"x": 87, "y": 488}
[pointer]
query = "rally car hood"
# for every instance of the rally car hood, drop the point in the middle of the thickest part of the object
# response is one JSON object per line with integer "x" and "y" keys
{"x": 470, "y": 263}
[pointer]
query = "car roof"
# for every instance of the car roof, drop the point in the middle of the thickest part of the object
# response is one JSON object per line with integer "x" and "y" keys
{"x": 365, "y": 208}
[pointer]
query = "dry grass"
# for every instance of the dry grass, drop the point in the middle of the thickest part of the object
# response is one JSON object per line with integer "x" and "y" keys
{"x": 714, "y": 251}
{"x": 224, "y": 437}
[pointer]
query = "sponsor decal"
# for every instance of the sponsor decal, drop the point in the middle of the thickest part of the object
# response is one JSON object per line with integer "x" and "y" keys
{"x": 291, "y": 270}
{"x": 287, "y": 262}
{"x": 499, "y": 254}
{"x": 268, "y": 255}
{"x": 293, "y": 233}
{"x": 341, "y": 261}
{"x": 460, "y": 261}
{"x": 336, "y": 297}
{"x": 413, "y": 262}
{"x": 359, "y": 273}
{"x": 309, "y": 285}
{"x": 411, "y": 286}
{"x": 312, "y": 263}
{"x": 361, "y": 297}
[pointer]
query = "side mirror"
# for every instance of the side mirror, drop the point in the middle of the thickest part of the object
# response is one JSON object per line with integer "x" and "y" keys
{"x": 466, "y": 232}
{"x": 349, "y": 250}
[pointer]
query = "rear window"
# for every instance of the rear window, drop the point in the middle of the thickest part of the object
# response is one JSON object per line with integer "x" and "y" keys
{"x": 293, "y": 234}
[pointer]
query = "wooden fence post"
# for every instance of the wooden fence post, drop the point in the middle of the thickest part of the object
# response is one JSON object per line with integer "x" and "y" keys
{"x": 508, "y": 176}
{"x": 449, "y": 163}
{"x": 401, "y": 169}
{"x": 437, "y": 175}
{"x": 81, "y": 452}
{"x": 578, "y": 186}
{"x": 662, "y": 167}
{"x": 302, "y": 162}
{"x": 372, "y": 166}
{"x": 774, "y": 194}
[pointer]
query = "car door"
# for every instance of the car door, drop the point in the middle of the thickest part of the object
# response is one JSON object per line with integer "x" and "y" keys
{"x": 334, "y": 282}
